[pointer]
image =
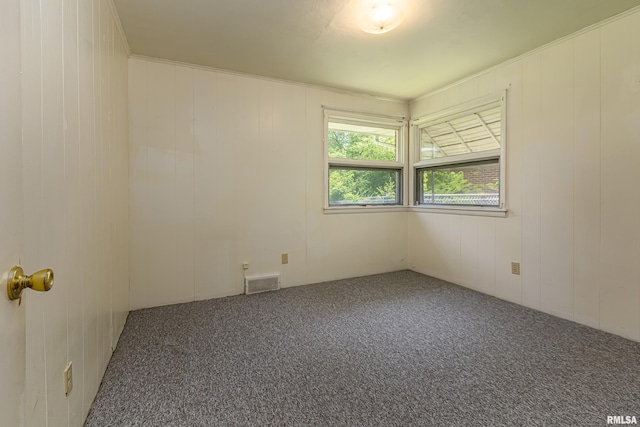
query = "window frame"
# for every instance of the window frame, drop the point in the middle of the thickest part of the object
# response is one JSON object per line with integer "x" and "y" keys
{"x": 399, "y": 186}
{"x": 420, "y": 190}
{"x": 400, "y": 123}
{"x": 460, "y": 110}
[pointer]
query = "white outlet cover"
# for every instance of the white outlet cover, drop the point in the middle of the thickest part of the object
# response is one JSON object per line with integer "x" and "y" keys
{"x": 68, "y": 379}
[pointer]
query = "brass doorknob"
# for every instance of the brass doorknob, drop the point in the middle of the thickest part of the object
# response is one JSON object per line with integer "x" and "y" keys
{"x": 39, "y": 281}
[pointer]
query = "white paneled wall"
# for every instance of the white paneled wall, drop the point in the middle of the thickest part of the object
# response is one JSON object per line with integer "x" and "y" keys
{"x": 12, "y": 315}
{"x": 226, "y": 168}
{"x": 202, "y": 170}
{"x": 620, "y": 156}
{"x": 75, "y": 182}
{"x": 572, "y": 184}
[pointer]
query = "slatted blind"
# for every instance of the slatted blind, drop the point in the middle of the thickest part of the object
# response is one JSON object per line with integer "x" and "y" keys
{"x": 468, "y": 132}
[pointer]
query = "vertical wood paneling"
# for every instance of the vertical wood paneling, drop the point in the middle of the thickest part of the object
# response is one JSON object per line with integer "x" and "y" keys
{"x": 469, "y": 251}
{"x": 508, "y": 235}
{"x": 426, "y": 234}
{"x": 257, "y": 148}
{"x": 451, "y": 247}
{"x": 138, "y": 205}
{"x": 96, "y": 251}
{"x": 586, "y": 183}
{"x": 205, "y": 92}
{"x": 120, "y": 180}
{"x": 89, "y": 378}
{"x": 12, "y": 314}
{"x": 73, "y": 135}
{"x": 573, "y": 201}
{"x": 556, "y": 145}
{"x": 32, "y": 180}
{"x": 252, "y": 149}
{"x": 223, "y": 278}
{"x": 161, "y": 183}
{"x": 531, "y": 178}
{"x": 487, "y": 257}
{"x": 315, "y": 245}
{"x": 257, "y": 226}
{"x": 73, "y": 203}
{"x": 103, "y": 214}
{"x": 182, "y": 230}
{"x": 620, "y": 207}
{"x": 289, "y": 232}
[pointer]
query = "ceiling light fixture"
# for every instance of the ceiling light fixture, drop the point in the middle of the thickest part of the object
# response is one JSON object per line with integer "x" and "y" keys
{"x": 381, "y": 18}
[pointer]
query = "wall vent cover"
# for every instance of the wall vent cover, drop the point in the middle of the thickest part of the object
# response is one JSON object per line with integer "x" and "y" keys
{"x": 256, "y": 284}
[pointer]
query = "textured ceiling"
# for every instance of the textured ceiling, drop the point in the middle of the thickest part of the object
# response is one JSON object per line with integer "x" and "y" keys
{"x": 319, "y": 42}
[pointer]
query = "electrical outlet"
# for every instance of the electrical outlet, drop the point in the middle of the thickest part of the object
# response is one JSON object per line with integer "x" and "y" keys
{"x": 285, "y": 258}
{"x": 515, "y": 268}
{"x": 245, "y": 265}
{"x": 68, "y": 379}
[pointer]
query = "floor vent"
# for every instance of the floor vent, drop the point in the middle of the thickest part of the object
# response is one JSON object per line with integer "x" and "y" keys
{"x": 256, "y": 284}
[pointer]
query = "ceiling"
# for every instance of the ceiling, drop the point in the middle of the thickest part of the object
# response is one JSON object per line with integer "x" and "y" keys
{"x": 319, "y": 41}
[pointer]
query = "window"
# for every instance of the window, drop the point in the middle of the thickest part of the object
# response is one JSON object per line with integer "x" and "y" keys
{"x": 365, "y": 162}
{"x": 461, "y": 156}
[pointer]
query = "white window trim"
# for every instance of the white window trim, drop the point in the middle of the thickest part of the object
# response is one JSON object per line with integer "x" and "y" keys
{"x": 392, "y": 121}
{"x": 456, "y": 111}
{"x": 369, "y": 209}
{"x": 461, "y": 210}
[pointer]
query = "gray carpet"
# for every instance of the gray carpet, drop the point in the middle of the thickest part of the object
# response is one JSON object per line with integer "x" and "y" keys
{"x": 396, "y": 349}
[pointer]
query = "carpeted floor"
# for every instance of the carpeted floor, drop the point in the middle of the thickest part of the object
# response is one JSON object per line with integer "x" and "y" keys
{"x": 396, "y": 349}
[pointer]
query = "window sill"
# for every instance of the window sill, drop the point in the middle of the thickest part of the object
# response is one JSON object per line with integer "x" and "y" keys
{"x": 462, "y": 210}
{"x": 363, "y": 209}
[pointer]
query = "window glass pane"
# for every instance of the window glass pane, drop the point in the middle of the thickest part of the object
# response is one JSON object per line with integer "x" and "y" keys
{"x": 360, "y": 142}
{"x": 428, "y": 148}
{"x": 469, "y": 133}
{"x": 476, "y": 184}
{"x": 357, "y": 186}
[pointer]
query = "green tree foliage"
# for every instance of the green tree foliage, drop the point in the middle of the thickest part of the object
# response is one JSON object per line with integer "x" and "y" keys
{"x": 351, "y": 145}
{"x": 445, "y": 182}
{"x": 455, "y": 182}
{"x": 449, "y": 182}
{"x": 354, "y": 185}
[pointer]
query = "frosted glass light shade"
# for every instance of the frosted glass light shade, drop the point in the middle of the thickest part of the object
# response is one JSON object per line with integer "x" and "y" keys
{"x": 381, "y": 18}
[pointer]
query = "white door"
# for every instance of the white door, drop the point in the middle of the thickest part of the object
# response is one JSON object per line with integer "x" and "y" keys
{"x": 12, "y": 313}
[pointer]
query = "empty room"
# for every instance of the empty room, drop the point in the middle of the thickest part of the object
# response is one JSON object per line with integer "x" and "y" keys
{"x": 320, "y": 213}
